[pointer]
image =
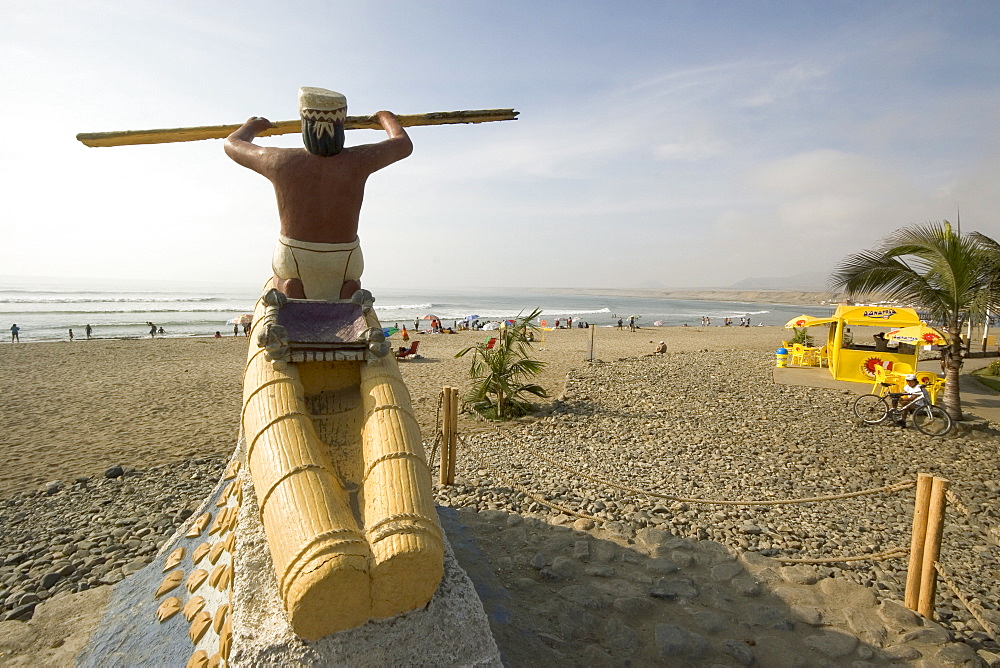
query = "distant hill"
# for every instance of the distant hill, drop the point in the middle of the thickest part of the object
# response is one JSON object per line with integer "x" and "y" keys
{"x": 807, "y": 281}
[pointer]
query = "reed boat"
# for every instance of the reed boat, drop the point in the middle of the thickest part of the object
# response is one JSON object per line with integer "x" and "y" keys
{"x": 338, "y": 467}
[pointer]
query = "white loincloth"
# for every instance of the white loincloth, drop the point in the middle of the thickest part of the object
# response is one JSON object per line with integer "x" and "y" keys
{"x": 322, "y": 268}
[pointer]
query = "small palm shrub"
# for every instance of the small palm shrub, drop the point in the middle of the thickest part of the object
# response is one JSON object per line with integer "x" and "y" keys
{"x": 801, "y": 335}
{"x": 501, "y": 374}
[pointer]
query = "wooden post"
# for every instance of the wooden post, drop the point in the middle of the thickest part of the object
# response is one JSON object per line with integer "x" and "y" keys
{"x": 453, "y": 445}
{"x": 932, "y": 547}
{"x": 445, "y": 435}
{"x": 917, "y": 537}
{"x": 590, "y": 346}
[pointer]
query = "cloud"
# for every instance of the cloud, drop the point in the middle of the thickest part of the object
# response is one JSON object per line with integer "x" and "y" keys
{"x": 699, "y": 146}
{"x": 814, "y": 208}
{"x": 787, "y": 83}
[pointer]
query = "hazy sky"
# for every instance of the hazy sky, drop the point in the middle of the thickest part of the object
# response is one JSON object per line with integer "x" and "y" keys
{"x": 660, "y": 143}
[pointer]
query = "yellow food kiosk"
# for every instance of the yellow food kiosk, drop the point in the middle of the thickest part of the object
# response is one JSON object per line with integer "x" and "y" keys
{"x": 851, "y": 358}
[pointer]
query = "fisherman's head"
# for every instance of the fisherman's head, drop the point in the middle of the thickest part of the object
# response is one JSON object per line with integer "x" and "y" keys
{"x": 323, "y": 112}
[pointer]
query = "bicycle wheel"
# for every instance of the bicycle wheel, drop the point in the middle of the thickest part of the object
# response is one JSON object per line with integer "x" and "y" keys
{"x": 871, "y": 408}
{"x": 932, "y": 420}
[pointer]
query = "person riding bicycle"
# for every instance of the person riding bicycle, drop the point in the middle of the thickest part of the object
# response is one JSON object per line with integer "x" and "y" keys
{"x": 912, "y": 397}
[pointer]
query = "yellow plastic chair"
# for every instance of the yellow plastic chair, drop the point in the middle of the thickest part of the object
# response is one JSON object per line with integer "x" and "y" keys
{"x": 902, "y": 368}
{"x": 823, "y": 355}
{"x": 798, "y": 352}
{"x": 884, "y": 381}
{"x": 935, "y": 384}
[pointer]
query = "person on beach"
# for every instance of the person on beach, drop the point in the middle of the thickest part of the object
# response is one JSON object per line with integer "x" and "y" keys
{"x": 70, "y": 333}
{"x": 152, "y": 330}
{"x": 236, "y": 330}
{"x": 14, "y": 333}
{"x": 660, "y": 349}
{"x": 218, "y": 335}
{"x": 89, "y": 330}
{"x": 914, "y": 397}
{"x": 319, "y": 190}
{"x": 619, "y": 323}
{"x": 406, "y": 335}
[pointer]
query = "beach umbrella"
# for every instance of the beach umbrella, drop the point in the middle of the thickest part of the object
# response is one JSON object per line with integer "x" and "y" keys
{"x": 244, "y": 319}
{"x": 808, "y": 321}
{"x": 471, "y": 317}
{"x": 659, "y": 323}
{"x": 917, "y": 335}
{"x": 430, "y": 317}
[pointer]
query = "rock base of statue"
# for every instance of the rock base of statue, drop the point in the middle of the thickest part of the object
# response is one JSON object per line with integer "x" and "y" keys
{"x": 210, "y": 597}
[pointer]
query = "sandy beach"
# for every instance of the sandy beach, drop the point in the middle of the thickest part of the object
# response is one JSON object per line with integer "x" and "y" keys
{"x": 75, "y": 409}
{"x": 704, "y": 420}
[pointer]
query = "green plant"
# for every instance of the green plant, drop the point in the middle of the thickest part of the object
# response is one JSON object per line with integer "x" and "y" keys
{"x": 501, "y": 372}
{"x": 801, "y": 335}
{"x": 994, "y": 368}
{"x": 986, "y": 377}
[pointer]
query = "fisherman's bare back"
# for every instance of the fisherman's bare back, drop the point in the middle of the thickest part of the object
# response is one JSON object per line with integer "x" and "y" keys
{"x": 319, "y": 190}
{"x": 319, "y": 197}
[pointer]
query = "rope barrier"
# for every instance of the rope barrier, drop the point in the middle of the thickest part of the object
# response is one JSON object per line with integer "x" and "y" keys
{"x": 955, "y": 501}
{"x": 880, "y": 556}
{"x": 550, "y": 504}
{"x": 974, "y": 608}
{"x": 719, "y": 502}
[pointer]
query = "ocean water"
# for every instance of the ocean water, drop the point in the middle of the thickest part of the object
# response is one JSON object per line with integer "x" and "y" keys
{"x": 45, "y": 309}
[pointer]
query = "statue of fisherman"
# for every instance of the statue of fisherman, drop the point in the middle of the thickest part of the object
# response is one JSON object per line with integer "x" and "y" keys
{"x": 319, "y": 190}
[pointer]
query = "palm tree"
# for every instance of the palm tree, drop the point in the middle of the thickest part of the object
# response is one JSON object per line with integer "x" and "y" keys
{"x": 501, "y": 371}
{"x": 939, "y": 271}
{"x": 992, "y": 249}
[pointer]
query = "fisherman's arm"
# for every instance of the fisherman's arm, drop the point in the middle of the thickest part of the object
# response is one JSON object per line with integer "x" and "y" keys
{"x": 393, "y": 149}
{"x": 240, "y": 147}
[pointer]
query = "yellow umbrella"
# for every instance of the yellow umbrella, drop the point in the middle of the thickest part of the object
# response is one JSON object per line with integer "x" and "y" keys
{"x": 917, "y": 335}
{"x": 808, "y": 321}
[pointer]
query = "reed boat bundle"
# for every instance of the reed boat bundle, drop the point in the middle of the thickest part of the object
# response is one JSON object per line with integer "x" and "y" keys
{"x": 343, "y": 486}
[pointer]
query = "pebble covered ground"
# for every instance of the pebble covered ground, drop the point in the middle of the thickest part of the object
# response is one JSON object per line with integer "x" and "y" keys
{"x": 695, "y": 425}
{"x": 699, "y": 424}
{"x": 94, "y": 531}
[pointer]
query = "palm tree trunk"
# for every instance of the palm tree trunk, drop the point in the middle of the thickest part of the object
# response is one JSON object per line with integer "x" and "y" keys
{"x": 953, "y": 365}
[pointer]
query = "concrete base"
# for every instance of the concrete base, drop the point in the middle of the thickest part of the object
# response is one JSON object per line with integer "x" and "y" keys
{"x": 451, "y": 630}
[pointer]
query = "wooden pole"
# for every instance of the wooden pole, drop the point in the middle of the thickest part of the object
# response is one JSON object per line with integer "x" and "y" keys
{"x": 917, "y": 537}
{"x": 453, "y": 447}
{"x": 590, "y": 346}
{"x": 445, "y": 436}
{"x": 173, "y": 135}
{"x": 932, "y": 547}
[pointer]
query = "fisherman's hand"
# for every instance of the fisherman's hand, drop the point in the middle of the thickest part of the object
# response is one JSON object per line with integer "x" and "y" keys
{"x": 383, "y": 116}
{"x": 258, "y": 124}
